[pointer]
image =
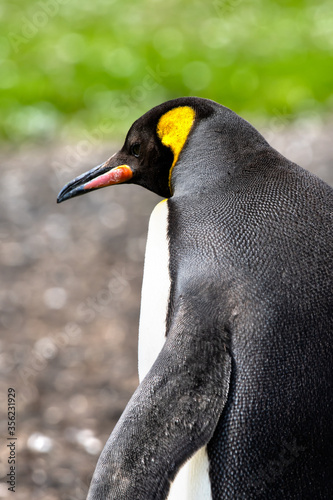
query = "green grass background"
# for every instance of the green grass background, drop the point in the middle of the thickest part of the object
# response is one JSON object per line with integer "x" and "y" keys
{"x": 69, "y": 67}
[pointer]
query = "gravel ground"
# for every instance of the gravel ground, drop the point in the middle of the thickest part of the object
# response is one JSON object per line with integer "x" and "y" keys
{"x": 69, "y": 302}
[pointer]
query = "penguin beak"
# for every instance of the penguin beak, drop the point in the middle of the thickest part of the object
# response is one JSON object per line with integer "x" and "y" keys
{"x": 101, "y": 176}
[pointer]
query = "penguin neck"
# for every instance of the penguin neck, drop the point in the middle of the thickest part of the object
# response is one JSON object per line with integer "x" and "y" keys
{"x": 212, "y": 173}
{"x": 212, "y": 160}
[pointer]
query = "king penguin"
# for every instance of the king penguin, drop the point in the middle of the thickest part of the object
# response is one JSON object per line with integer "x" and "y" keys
{"x": 235, "y": 336}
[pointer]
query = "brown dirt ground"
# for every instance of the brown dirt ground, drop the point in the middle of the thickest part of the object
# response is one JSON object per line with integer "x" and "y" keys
{"x": 69, "y": 302}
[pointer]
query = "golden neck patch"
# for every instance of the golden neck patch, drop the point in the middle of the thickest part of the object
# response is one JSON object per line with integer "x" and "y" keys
{"x": 173, "y": 129}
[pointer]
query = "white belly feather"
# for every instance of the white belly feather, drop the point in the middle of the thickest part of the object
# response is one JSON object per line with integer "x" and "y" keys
{"x": 155, "y": 290}
{"x": 192, "y": 481}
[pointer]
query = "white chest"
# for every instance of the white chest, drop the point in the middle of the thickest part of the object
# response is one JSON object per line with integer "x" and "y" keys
{"x": 155, "y": 290}
{"x": 192, "y": 480}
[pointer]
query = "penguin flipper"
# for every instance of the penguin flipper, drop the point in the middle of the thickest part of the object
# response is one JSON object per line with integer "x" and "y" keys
{"x": 172, "y": 414}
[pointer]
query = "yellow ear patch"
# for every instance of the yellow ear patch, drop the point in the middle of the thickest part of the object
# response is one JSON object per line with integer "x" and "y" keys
{"x": 173, "y": 129}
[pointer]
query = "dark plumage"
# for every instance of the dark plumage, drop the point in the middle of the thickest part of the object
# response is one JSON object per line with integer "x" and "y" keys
{"x": 246, "y": 368}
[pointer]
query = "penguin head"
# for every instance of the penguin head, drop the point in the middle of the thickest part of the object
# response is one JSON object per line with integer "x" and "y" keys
{"x": 183, "y": 145}
{"x": 153, "y": 146}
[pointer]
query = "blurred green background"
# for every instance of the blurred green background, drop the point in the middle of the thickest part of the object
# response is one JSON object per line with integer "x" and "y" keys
{"x": 72, "y": 66}
{"x": 74, "y": 75}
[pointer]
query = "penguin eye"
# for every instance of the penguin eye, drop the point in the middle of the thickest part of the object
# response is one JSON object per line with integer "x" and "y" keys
{"x": 135, "y": 149}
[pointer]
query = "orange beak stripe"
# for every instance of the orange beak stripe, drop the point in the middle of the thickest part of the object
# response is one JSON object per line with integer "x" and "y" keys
{"x": 116, "y": 175}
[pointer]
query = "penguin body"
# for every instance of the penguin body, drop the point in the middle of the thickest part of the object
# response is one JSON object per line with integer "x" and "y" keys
{"x": 192, "y": 481}
{"x": 236, "y": 366}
